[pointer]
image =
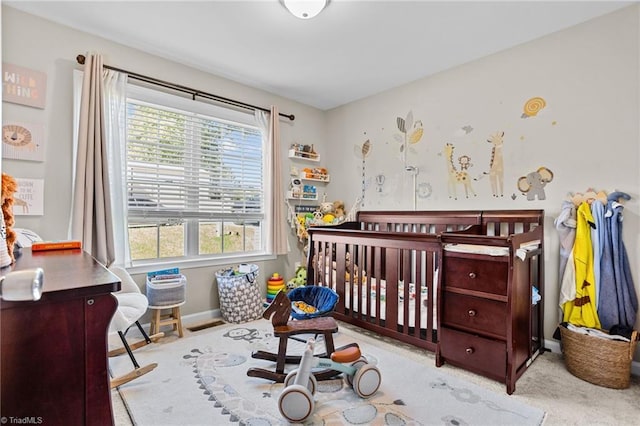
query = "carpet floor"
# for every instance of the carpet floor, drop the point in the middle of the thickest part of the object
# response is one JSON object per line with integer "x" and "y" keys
{"x": 545, "y": 387}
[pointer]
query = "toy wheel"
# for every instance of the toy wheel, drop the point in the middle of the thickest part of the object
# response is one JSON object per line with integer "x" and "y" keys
{"x": 356, "y": 364}
{"x": 296, "y": 403}
{"x": 367, "y": 380}
{"x": 312, "y": 383}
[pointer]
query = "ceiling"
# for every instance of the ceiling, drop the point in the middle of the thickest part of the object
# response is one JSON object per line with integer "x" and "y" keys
{"x": 353, "y": 49}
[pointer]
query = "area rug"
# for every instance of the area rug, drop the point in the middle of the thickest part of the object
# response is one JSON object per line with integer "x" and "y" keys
{"x": 201, "y": 380}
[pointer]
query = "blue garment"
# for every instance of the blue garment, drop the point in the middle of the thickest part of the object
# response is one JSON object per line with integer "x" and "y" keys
{"x": 597, "y": 234}
{"x": 618, "y": 298}
{"x": 627, "y": 298}
{"x": 608, "y": 306}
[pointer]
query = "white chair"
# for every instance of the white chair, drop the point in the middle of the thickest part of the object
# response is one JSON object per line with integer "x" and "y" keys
{"x": 132, "y": 304}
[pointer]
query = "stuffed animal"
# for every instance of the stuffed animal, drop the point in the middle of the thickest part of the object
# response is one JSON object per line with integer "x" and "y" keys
{"x": 299, "y": 280}
{"x": 9, "y": 188}
{"x": 338, "y": 209}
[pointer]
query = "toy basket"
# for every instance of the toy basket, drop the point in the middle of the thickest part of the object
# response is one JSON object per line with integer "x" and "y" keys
{"x": 166, "y": 291}
{"x": 239, "y": 295}
{"x": 599, "y": 361}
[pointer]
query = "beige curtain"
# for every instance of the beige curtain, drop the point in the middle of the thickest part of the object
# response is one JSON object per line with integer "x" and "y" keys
{"x": 90, "y": 216}
{"x": 278, "y": 212}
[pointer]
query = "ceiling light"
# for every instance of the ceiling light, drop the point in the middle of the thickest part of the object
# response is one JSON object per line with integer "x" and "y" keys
{"x": 305, "y": 9}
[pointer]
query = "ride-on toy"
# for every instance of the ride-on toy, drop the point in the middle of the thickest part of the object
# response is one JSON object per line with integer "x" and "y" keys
{"x": 279, "y": 312}
{"x": 296, "y": 402}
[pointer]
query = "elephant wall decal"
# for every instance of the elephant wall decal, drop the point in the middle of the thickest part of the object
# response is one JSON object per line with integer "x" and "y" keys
{"x": 533, "y": 184}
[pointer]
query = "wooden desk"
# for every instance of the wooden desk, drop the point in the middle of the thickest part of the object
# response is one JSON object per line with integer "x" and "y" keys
{"x": 53, "y": 358}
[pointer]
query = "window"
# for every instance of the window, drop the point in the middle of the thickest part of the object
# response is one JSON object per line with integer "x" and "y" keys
{"x": 195, "y": 179}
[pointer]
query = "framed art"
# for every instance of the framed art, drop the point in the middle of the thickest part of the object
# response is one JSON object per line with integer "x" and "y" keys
{"x": 23, "y": 141}
{"x": 23, "y": 86}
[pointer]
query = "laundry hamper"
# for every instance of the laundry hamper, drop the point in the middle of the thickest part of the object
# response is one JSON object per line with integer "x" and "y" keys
{"x": 599, "y": 361}
{"x": 239, "y": 294}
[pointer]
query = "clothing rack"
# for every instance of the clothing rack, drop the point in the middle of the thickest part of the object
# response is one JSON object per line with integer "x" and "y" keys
{"x": 184, "y": 89}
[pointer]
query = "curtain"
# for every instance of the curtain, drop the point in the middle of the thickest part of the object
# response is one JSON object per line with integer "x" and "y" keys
{"x": 115, "y": 90}
{"x": 278, "y": 229}
{"x": 92, "y": 218}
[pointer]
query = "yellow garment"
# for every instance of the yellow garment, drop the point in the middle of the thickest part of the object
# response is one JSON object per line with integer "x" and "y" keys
{"x": 582, "y": 310}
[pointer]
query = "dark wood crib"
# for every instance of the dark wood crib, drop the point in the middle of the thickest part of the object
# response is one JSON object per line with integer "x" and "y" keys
{"x": 458, "y": 283}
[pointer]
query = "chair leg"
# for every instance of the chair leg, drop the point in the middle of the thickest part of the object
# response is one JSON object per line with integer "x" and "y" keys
{"x": 144, "y": 333}
{"x": 137, "y": 371}
{"x": 128, "y": 349}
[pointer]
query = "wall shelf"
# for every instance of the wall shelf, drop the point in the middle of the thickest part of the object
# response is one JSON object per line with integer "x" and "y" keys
{"x": 301, "y": 155}
{"x": 306, "y": 196}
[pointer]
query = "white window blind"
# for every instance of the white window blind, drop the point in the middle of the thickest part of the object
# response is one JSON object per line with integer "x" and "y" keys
{"x": 186, "y": 165}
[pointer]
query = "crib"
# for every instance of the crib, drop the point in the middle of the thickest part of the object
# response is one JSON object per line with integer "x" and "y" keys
{"x": 385, "y": 266}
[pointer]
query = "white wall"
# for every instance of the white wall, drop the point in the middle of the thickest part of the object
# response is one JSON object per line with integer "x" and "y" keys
{"x": 38, "y": 44}
{"x": 587, "y": 134}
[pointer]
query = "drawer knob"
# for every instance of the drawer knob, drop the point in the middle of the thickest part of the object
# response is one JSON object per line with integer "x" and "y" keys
{"x": 469, "y": 351}
{"x": 472, "y": 312}
{"x": 472, "y": 275}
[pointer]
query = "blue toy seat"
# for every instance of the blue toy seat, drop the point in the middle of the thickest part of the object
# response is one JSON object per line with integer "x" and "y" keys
{"x": 323, "y": 299}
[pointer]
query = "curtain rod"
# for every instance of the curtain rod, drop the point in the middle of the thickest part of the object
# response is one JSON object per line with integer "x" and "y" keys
{"x": 184, "y": 89}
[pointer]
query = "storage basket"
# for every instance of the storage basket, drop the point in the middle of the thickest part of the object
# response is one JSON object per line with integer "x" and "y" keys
{"x": 239, "y": 295}
{"x": 166, "y": 291}
{"x": 597, "y": 360}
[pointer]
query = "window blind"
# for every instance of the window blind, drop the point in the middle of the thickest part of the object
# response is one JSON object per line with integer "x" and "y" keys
{"x": 183, "y": 165}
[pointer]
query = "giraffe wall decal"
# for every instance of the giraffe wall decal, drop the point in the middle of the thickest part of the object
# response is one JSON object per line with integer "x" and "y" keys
{"x": 496, "y": 165}
{"x": 457, "y": 177}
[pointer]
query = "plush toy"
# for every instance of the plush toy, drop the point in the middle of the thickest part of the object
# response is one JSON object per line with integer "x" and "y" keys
{"x": 9, "y": 188}
{"x": 299, "y": 280}
{"x": 338, "y": 209}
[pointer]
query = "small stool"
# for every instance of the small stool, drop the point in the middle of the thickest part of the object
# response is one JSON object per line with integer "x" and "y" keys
{"x": 174, "y": 319}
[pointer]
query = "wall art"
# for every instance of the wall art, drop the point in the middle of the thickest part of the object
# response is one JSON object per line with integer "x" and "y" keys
{"x": 29, "y": 199}
{"x": 23, "y": 141}
{"x": 23, "y": 86}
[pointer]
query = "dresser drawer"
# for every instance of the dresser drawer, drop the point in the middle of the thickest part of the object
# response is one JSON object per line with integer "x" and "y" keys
{"x": 475, "y": 314}
{"x": 479, "y": 275}
{"x": 473, "y": 352}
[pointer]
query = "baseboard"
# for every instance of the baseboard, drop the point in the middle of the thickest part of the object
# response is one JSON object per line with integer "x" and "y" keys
{"x": 201, "y": 317}
{"x": 554, "y": 346}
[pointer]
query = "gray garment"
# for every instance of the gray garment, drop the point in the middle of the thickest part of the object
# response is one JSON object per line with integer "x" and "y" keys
{"x": 565, "y": 224}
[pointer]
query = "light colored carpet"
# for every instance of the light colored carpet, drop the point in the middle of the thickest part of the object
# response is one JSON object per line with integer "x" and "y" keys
{"x": 546, "y": 385}
{"x": 202, "y": 380}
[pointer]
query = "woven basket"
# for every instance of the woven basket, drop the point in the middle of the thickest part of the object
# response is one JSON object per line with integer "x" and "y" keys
{"x": 599, "y": 361}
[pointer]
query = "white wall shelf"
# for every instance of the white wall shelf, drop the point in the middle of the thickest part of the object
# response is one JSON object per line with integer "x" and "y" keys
{"x": 301, "y": 155}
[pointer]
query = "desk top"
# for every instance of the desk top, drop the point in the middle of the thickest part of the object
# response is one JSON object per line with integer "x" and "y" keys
{"x": 67, "y": 274}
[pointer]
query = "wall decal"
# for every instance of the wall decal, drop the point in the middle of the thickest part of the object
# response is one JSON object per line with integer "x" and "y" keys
{"x": 496, "y": 164}
{"x": 533, "y": 183}
{"x": 411, "y": 133}
{"x": 22, "y": 141}
{"x": 29, "y": 199}
{"x": 533, "y": 106}
{"x": 362, "y": 152}
{"x": 424, "y": 190}
{"x": 23, "y": 86}
{"x": 463, "y": 131}
{"x": 456, "y": 177}
{"x": 380, "y": 182}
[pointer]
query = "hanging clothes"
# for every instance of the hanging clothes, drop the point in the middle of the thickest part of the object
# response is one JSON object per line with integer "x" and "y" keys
{"x": 627, "y": 297}
{"x": 597, "y": 237}
{"x": 565, "y": 224}
{"x": 582, "y": 310}
{"x": 619, "y": 302}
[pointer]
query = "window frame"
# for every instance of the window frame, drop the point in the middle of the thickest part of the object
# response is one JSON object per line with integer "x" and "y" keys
{"x": 162, "y": 98}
